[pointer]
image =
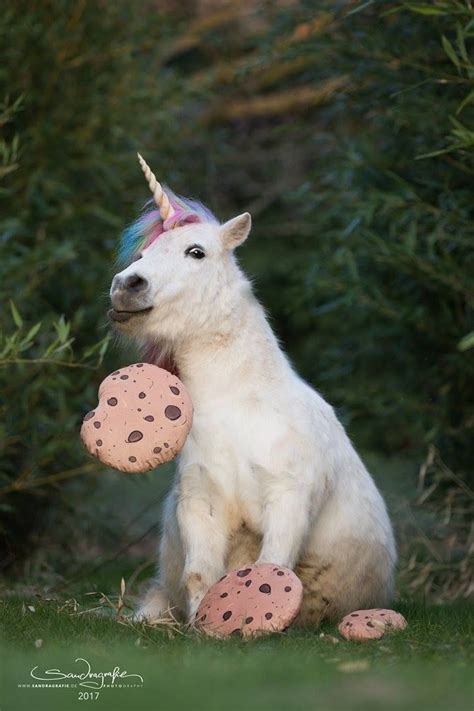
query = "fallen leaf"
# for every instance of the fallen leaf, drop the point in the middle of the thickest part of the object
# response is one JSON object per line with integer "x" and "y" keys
{"x": 356, "y": 666}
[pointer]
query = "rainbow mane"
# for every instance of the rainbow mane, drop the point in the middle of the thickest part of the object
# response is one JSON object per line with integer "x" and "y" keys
{"x": 149, "y": 226}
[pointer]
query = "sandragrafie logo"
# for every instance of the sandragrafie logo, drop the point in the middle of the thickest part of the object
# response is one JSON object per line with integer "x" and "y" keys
{"x": 83, "y": 676}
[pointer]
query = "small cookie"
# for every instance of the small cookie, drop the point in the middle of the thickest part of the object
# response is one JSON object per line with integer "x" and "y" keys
{"x": 142, "y": 419}
{"x": 370, "y": 624}
{"x": 251, "y": 601}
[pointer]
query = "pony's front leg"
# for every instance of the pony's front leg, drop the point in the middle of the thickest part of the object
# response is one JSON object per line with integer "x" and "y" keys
{"x": 204, "y": 532}
{"x": 285, "y": 519}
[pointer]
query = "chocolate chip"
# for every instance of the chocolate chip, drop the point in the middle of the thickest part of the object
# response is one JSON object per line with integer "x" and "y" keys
{"x": 243, "y": 573}
{"x": 223, "y": 578}
{"x": 97, "y": 425}
{"x": 89, "y": 415}
{"x": 248, "y": 583}
{"x": 268, "y": 615}
{"x": 132, "y": 459}
{"x": 224, "y": 594}
{"x": 172, "y": 412}
{"x": 99, "y": 443}
{"x": 141, "y": 395}
{"x": 354, "y": 614}
{"x": 135, "y": 436}
{"x": 116, "y": 372}
{"x": 280, "y": 572}
{"x": 203, "y": 618}
{"x": 369, "y": 624}
{"x": 265, "y": 588}
{"x": 248, "y": 620}
{"x": 227, "y": 615}
{"x": 149, "y": 418}
{"x": 174, "y": 390}
{"x": 124, "y": 377}
{"x": 166, "y": 444}
{"x": 236, "y": 632}
{"x": 139, "y": 365}
{"x": 157, "y": 450}
{"x": 287, "y": 588}
{"x": 112, "y": 401}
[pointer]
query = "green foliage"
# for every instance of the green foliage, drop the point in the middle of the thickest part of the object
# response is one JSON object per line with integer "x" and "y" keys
{"x": 70, "y": 109}
{"x": 347, "y": 132}
{"x": 349, "y": 137}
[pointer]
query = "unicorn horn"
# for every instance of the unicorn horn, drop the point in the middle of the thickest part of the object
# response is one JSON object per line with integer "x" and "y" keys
{"x": 159, "y": 195}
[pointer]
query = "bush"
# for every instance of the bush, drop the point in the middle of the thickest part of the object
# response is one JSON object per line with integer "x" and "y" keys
{"x": 76, "y": 101}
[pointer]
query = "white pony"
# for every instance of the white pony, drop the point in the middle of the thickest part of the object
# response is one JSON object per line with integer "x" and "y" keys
{"x": 267, "y": 473}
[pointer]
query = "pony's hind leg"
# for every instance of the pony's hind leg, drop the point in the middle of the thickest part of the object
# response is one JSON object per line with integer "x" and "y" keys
{"x": 359, "y": 576}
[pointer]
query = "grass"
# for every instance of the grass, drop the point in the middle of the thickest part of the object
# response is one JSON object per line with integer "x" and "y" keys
{"x": 427, "y": 666}
{"x": 424, "y": 667}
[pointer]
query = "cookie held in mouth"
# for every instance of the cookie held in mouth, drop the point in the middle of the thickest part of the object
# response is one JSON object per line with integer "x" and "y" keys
{"x": 142, "y": 419}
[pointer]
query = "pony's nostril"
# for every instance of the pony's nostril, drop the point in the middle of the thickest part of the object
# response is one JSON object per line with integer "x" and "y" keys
{"x": 135, "y": 283}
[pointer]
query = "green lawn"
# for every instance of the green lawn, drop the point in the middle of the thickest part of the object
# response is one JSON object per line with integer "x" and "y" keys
{"x": 427, "y": 666}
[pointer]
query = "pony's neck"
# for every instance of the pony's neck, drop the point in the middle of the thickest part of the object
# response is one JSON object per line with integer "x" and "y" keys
{"x": 161, "y": 355}
{"x": 235, "y": 347}
{"x": 240, "y": 351}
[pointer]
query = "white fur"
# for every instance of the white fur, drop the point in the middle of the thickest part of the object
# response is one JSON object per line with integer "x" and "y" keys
{"x": 267, "y": 462}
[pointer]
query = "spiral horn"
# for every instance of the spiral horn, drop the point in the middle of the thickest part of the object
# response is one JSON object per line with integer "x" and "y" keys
{"x": 159, "y": 195}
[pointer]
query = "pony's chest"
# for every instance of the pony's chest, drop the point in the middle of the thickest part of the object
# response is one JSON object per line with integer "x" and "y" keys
{"x": 236, "y": 447}
{"x": 232, "y": 438}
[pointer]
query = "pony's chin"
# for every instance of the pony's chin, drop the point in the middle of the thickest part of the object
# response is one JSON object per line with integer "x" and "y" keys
{"x": 124, "y": 316}
{"x": 135, "y": 325}
{"x": 129, "y": 323}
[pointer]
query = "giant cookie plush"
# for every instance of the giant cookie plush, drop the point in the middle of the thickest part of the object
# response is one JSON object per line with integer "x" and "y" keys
{"x": 251, "y": 601}
{"x": 362, "y": 625}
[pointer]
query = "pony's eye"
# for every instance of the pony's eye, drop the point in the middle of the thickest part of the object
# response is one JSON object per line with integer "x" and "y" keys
{"x": 195, "y": 251}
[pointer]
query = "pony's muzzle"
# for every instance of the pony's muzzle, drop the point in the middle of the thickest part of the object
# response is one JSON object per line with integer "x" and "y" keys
{"x": 128, "y": 295}
{"x": 133, "y": 283}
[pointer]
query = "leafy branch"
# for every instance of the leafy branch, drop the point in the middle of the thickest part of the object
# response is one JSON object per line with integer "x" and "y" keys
{"x": 16, "y": 347}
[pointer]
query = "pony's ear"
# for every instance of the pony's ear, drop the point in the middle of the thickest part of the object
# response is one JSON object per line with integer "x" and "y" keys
{"x": 235, "y": 231}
